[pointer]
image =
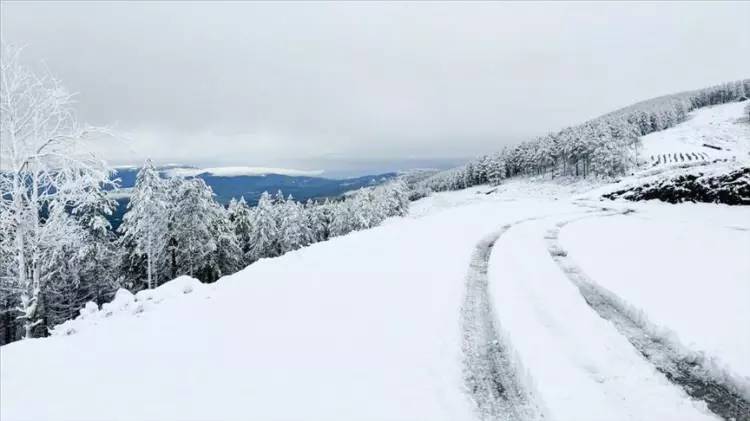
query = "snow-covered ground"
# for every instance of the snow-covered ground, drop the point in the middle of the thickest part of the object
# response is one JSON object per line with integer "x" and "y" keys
{"x": 687, "y": 268}
{"x": 725, "y": 126}
{"x": 367, "y": 326}
{"x": 360, "y": 327}
{"x": 374, "y": 325}
{"x": 582, "y": 367}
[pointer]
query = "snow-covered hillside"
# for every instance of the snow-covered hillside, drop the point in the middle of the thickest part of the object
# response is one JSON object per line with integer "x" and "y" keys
{"x": 724, "y": 126}
{"x": 529, "y": 300}
{"x": 374, "y": 325}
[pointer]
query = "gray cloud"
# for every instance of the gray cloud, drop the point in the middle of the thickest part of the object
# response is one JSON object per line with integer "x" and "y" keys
{"x": 308, "y": 84}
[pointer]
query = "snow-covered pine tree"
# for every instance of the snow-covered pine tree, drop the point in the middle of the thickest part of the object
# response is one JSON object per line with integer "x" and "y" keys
{"x": 265, "y": 235}
{"x": 396, "y": 198}
{"x": 145, "y": 224}
{"x": 314, "y": 224}
{"x": 279, "y": 199}
{"x": 291, "y": 224}
{"x": 193, "y": 212}
{"x": 241, "y": 217}
{"x": 342, "y": 219}
{"x": 368, "y": 211}
{"x": 495, "y": 169}
{"x": 228, "y": 256}
{"x": 320, "y": 217}
{"x": 87, "y": 266}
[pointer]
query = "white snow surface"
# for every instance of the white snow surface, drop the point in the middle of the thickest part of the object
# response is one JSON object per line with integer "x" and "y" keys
{"x": 687, "y": 268}
{"x": 240, "y": 171}
{"x": 724, "y": 125}
{"x": 367, "y": 326}
{"x": 361, "y": 327}
{"x": 582, "y": 367}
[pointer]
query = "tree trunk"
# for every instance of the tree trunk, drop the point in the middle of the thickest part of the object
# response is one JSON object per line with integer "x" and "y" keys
{"x": 148, "y": 264}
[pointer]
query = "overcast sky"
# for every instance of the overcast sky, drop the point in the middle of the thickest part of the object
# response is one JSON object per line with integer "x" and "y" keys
{"x": 329, "y": 85}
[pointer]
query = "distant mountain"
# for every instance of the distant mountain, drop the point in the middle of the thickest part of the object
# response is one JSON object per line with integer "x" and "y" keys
{"x": 234, "y": 182}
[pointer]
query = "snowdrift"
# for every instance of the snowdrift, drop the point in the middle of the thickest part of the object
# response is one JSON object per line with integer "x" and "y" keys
{"x": 126, "y": 304}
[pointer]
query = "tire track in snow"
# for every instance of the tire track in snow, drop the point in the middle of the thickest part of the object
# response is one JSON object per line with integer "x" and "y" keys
{"x": 724, "y": 396}
{"x": 491, "y": 370}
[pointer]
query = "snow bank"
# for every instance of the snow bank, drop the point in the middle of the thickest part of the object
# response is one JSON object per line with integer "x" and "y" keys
{"x": 125, "y": 304}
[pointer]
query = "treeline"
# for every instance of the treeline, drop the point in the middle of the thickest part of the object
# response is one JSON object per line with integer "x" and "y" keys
{"x": 172, "y": 227}
{"x": 606, "y": 146}
{"x": 57, "y": 248}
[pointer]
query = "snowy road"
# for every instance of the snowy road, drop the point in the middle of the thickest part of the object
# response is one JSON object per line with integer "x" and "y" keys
{"x": 457, "y": 312}
{"x": 492, "y": 372}
{"x": 687, "y": 369}
{"x": 582, "y": 367}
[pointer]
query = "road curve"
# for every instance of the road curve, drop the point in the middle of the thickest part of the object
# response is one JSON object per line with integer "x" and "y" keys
{"x": 680, "y": 366}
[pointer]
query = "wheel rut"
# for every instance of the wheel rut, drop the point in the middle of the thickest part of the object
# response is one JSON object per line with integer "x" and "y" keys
{"x": 689, "y": 370}
{"x": 491, "y": 370}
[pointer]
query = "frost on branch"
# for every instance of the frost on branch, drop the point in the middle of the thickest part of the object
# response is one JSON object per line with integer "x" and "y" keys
{"x": 52, "y": 201}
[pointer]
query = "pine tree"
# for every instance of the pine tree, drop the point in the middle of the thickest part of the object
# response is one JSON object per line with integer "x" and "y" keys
{"x": 292, "y": 232}
{"x": 265, "y": 232}
{"x": 145, "y": 224}
{"x": 241, "y": 217}
{"x": 193, "y": 213}
{"x": 228, "y": 256}
{"x": 342, "y": 220}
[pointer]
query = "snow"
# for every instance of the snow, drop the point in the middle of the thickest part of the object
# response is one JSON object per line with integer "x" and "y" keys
{"x": 367, "y": 326}
{"x": 126, "y": 304}
{"x": 725, "y": 126}
{"x": 582, "y": 367}
{"x": 687, "y": 269}
{"x": 239, "y": 171}
{"x": 311, "y": 326}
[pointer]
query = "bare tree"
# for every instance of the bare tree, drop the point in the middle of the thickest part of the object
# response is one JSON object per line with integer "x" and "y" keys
{"x": 44, "y": 174}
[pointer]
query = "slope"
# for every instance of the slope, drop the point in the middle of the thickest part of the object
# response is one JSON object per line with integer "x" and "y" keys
{"x": 724, "y": 126}
{"x": 469, "y": 308}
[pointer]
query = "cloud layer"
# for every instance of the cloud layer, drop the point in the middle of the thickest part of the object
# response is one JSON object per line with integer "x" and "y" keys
{"x": 298, "y": 84}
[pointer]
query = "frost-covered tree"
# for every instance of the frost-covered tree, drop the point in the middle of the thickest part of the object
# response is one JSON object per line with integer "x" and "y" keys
{"x": 44, "y": 175}
{"x": 86, "y": 266}
{"x": 495, "y": 169}
{"x": 241, "y": 217}
{"x": 367, "y": 210}
{"x": 606, "y": 146}
{"x": 395, "y": 198}
{"x": 228, "y": 256}
{"x": 319, "y": 220}
{"x": 293, "y": 231}
{"x": 265, "y": 234}
{"x": 145, "y": 224}
{"x": 193, "y": 213}
{"x": 342, "y": 218}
